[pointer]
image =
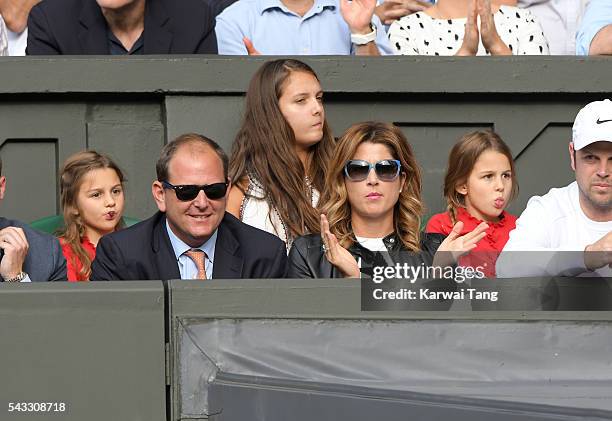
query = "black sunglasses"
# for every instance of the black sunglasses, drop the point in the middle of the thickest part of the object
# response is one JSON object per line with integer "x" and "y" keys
{"x": 386, "y": 170}
{"x": 186, "y": 192}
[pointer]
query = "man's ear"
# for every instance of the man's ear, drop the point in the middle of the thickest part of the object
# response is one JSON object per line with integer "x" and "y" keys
{"x": 2, "y": 186}
{"x": 159, "y": 195}
{"x": 572, "y": 153}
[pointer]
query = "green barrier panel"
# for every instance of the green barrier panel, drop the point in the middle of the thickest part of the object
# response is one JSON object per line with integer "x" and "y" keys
{"x": 82, "y": 352}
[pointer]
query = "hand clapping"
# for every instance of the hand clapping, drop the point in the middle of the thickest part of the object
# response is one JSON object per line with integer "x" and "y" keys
{"x": 336, "y": 254}
{"x": 487, "y": 33}
{"x": 456, "y": 245}
{"x": 358, "y": 15}
{"x": 390, "y": 10}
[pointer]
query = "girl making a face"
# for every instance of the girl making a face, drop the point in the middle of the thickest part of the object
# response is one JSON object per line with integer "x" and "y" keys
{"x": 91, "y": 190}
{"x": 480, "y": 182}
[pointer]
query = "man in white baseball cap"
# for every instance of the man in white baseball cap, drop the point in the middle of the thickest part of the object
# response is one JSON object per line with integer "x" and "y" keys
{"x": 575, "y": 218}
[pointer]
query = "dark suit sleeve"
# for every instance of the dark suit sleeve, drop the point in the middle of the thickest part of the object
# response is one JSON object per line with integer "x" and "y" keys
{"x": 40, "y": 38}
{"x": 208, "y": 43}
{"x": 298, "y": 267}
{"x": 278, "y": 268}
{"x": 108, "y": 262}
{"x": 59, "y": 263}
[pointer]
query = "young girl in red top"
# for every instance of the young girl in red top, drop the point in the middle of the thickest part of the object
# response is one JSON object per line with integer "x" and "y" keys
{"x": 91, "y": 190}
{"x": 479, "y": 183}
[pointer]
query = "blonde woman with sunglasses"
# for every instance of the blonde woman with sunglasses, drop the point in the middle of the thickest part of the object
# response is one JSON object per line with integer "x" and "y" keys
{"x": 372, "y": 204}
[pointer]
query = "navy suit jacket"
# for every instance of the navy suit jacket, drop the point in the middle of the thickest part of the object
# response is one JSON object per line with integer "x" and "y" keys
{"x": 143, "y": 251}
{"x": 78, "y": 27}
{"x": 44, "y": 261}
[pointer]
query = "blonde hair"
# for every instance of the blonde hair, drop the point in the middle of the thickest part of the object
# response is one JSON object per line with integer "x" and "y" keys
{"x": 461, "y": 161}
{"x": 72, "y": 175}
{"x": 409, "y": 208}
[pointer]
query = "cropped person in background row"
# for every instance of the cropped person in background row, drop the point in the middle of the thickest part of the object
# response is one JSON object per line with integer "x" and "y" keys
{"x": 28, "y": 255}
{"x": 575, "y": 218}
{"x": 15, "y": 14}
{"x": 294, "y": 27}
{"x": 91, "y": 191}
{"x": 119, "y": 27}
{"x": 451, "y": 27}
{"x": 560, "y": 20}
{"x": 280, "y": 155}
{"x": 3, "y": 39}
{"x": 372, "y": 204}
{"x": 595, "y": 34}
{"x": 191, "y": 237}
{"x": 480, "y": 181}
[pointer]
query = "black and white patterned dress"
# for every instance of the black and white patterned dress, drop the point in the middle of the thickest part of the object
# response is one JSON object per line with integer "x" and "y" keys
{"x": 420, "y": 34}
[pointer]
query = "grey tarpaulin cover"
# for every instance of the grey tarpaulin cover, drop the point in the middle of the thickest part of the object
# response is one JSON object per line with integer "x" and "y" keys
{"x": 555, "y": 363}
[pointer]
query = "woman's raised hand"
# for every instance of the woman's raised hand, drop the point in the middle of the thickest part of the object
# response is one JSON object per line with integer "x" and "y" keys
{"x": 488, "y": 32}
{"x": 456, "y": 245}
{"x": 471, "y": 36}
{"x": 336, "y": 254}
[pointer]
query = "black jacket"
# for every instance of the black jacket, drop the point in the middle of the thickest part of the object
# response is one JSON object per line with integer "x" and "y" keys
{"x": 78, "y": 27}
{"x": 143, "y": 251}
{"x": 307, "y": 260}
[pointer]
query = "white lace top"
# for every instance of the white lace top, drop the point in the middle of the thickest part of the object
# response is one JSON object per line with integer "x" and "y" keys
{"x": 256, "y": 211}
{"x": 420, "y": 34}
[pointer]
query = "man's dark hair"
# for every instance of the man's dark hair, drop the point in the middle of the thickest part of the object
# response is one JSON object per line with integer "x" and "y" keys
{"x": 170, "y": 149}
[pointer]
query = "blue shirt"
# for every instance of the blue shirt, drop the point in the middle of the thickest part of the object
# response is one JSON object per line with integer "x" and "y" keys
{"x": 187, "y": 267}
{"x": 597, "y": 15}
{"x": 276, "y": 30}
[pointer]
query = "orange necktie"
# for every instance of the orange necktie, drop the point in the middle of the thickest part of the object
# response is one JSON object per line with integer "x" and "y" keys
{"x": 199, "y": 258}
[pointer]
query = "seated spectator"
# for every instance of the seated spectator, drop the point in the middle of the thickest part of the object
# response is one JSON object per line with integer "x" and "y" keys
{"x": 191, "y": 237}
{"x": 319, "y": 27}
{"x": 15, "y": 14}
{"x": 279, "y": 158}
{"x": 450, "y": 27}
{"x": 560, "y": 20}
{"x": 389, "y": 11}
{"x": 595, "y": 34}
{"x": 27, "y": 255}
{"x": 575, "y": 218}
{"x": 365, "y": 212}
{"x": 120, "y": 27}
{"x": 91, "y": 191}
{"x": 480, "y": 181}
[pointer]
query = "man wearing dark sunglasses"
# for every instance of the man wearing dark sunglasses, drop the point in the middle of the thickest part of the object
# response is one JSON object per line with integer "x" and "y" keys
{"x": 191, "y": 237}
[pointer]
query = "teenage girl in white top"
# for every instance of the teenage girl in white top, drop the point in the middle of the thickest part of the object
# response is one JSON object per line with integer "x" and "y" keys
{"x": 279, "y": 157}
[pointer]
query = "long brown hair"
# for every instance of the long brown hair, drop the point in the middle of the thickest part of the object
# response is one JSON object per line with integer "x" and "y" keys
{"x": 461, "y": 161}
{"x": 72, "y": 176}
{"x": 409, "y": 208}
{"x": 264, "y": 148}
